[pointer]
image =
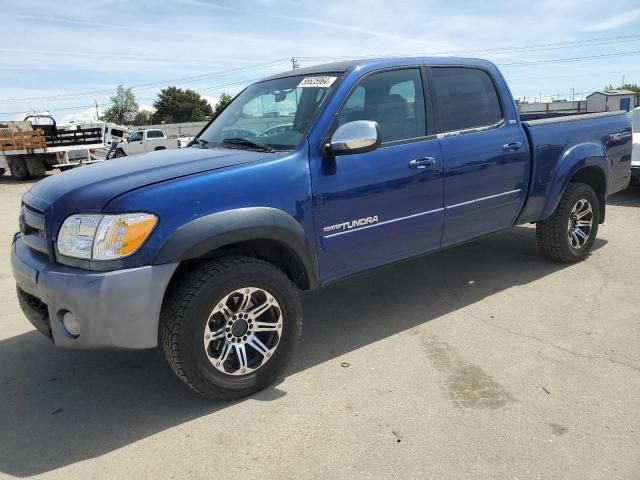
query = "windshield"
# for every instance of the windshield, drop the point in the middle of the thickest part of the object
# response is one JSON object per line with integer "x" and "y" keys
{"x": 276, "y": 113}
{"x": 634, "y": 116}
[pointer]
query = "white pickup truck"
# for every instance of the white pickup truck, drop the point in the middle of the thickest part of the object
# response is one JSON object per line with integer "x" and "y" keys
{"x": 142, "y": 141}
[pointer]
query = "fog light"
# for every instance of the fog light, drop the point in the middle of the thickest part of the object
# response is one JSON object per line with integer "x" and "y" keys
{"x": 71, "y": 324}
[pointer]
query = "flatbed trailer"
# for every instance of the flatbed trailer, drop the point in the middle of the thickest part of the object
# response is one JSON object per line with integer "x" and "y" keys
{"x": 29, "y": 152}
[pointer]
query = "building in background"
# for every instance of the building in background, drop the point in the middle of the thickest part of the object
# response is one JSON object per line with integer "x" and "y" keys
{"x": 611, "y": 101}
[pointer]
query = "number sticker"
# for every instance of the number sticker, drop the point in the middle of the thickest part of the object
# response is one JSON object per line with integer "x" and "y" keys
{"x": 318, "y": 82}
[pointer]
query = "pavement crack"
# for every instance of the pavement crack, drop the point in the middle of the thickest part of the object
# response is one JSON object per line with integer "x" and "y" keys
{"x": 557, "y": 347}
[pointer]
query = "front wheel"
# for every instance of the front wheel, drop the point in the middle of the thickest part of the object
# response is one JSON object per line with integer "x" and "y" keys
{"x": 568, "y": 235}
{"x": 228, "y": 328}
{"x": 119, "y": 153}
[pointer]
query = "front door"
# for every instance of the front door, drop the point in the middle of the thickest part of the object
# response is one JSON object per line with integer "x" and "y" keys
{"x": 486, "y": 158}
{"x": 375, "y": 207}
{"x": 136, "y": 143}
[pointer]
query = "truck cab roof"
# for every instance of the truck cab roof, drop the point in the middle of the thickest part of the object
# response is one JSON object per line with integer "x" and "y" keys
{"x": 382, "y": 62}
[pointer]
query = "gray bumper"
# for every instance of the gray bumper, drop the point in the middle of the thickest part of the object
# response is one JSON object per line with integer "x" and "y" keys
{"x": 118, "y": 309}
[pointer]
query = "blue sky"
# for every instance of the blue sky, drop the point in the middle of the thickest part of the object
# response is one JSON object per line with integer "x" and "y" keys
{"x": 63, "y": 55}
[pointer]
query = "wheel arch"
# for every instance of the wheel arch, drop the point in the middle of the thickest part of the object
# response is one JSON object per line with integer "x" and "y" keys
{"x": 586, "y": 163}
{"x": 261, "y": 232}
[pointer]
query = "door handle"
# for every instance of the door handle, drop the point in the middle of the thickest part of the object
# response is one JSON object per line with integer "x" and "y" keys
{"x": 512, "y": 147}
{"x": 422, "y": 163}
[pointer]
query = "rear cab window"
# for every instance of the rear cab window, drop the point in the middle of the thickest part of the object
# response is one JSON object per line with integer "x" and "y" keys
{"x": 464, "y": 98}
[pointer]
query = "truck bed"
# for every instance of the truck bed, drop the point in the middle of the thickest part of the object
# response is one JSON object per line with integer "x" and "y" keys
{"x": 557, "y": 142}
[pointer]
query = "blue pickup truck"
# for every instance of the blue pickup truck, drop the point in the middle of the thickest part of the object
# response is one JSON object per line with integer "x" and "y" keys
{"x": 305, "y": 178}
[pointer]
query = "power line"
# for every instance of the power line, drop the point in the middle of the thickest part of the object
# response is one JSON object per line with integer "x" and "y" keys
{"x": 9, "y": 100}
{"x": 77, "y": 107}
{"x": 571, "y": 59}
{"x": 513, "y": 48}
{"x": 251, "y": 67}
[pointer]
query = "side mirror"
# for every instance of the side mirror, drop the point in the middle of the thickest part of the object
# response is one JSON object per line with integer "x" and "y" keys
{"x": 355, "y": 137}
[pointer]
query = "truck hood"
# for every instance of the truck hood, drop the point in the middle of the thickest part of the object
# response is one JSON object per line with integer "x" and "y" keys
{"x": 90, "y": 188}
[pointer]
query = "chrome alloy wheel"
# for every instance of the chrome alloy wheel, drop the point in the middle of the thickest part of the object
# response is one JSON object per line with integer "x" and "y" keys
{"x": 243, "y": 331}
{"x": 580, "y": 224}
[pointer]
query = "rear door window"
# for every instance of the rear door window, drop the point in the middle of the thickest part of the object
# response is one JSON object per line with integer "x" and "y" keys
{"x": 464, "y": 98}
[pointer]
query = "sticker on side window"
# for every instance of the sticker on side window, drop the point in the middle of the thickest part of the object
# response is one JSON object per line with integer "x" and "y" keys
{"x": 318, "y": 82}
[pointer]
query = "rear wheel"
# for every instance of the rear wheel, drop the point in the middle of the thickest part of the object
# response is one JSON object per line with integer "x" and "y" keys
{"x": 568, "y": 235}
{"x": 18, "y": 168}
{"x": 2, "y": 170}
{"x": 228, "y": 328}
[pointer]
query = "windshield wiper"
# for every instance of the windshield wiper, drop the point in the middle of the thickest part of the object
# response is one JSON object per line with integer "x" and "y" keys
{"x": 202, "y": 143}
{"x": 248, "y": 143}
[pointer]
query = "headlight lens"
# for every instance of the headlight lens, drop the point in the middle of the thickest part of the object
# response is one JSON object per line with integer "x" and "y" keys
{"x": 104, "y": 237}
{"x": 76, "y": 235}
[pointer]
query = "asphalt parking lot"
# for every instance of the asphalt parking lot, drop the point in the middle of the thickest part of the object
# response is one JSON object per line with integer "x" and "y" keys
{"x": 482, "y": 361}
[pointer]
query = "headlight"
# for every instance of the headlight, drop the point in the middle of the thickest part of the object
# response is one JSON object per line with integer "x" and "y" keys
{"x": 104, "y": 237}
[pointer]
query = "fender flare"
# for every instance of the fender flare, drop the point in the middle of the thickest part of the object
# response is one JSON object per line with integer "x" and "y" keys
{"x": 210, "y": 232}
{"x": 573, "y": 160}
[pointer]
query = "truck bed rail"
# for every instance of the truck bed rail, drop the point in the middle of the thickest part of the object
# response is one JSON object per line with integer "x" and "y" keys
{"x": 83, "y": 136}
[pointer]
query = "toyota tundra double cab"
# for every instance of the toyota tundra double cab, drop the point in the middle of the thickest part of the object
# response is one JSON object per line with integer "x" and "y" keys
{"x": 203, "y": 250}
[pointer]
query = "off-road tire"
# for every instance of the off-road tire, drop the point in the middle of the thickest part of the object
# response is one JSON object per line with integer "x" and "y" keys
{"x": 18, "y": 168}
{"x": 186, "y": 310}
{"x": 552, "y": 233}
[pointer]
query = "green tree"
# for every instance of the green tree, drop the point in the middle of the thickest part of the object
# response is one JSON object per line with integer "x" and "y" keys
{"x": 222, "y": 102}
{"x": 123, "y": 107}
{"x": 177, "y": 105}
{"x": 143, "y": 117}
{"x": 634, "y": 87}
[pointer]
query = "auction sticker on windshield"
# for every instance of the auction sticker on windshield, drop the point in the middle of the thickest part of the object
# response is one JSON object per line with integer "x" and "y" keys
{"x": 320, "y": 81}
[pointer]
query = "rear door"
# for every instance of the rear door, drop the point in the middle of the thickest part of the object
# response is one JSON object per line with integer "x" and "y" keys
{"x": 154, "y": 139}
{"x": 486, "y": 157}
{"x": 375, "y": 207}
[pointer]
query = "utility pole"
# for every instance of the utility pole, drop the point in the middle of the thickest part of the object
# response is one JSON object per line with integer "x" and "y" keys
{"x": 97, "y": 115}
{"x": 622, "y": 80}
{"x": 294, "y": 64}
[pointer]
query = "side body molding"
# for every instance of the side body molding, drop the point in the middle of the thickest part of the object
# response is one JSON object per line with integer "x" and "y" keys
{"x": 205, "y": 234}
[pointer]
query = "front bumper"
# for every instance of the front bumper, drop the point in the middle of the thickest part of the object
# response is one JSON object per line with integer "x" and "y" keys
{"x": 118, "y": 309}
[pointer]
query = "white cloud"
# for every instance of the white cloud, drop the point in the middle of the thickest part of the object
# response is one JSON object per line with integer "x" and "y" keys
{"x": 81, "y": 116}
{"x": 212, "y": 100}
{"x": 147, "y": 108}
{"x": 616, "y": 21}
